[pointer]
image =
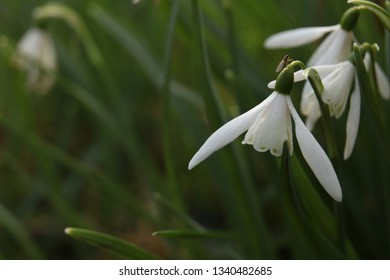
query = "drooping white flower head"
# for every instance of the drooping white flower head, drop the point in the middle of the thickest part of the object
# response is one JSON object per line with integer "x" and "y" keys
{"x": 338, "y": 80}
{"x": 268, "y": 126}
{"x": 35, "y": 54}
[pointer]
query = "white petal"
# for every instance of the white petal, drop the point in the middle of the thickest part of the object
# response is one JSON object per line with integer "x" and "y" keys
{"x": 313, "y": 117}
{"x": 315, "y": 156}
{"x": 352, "y": 121}
{"x": 297, "y": 37}
{"x": 381, "y": 78}
{"x": 35, "y": 52}
{"x": 271, "y": 84}
{"x": 334, "y": 49}
{"x": 310, "y": 106}
{"x": 383, "y": 82}
{"x": 228, "y": 132}
{"x": 36, "y": 45}
{"x": 326, "y": 69}
{"x": 337, "y": 86}
{"x": 271, "y": 128}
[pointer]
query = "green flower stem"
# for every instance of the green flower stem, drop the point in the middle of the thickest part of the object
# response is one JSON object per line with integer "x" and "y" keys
{"x": 316, "y": 84}
{"x": 104, "y": 183}
{"x": 128, "y": 138}
{"x": 349, "y": 19}
{"x": 232, "y": 35}
{"x": 387, "y": 43}
{"x": 216, "y": 110}
{"x": 174, "y": 191}
{"x": 131, "y": 142}
{"x": 252, "y": 223}
{"x": 371, "y": 97}
{"x": 381, "y": 13}
{"x": 191, "y": 223}
{"x": 333, "y": 153}
{"x": 11, "y": 223}
{"x": 54, "y": 10}
{"x": 289, "y": 195}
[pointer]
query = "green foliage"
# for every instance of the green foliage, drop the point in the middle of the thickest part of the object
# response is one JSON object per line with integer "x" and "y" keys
{"x": 117, "y": 245}
{"x": 139, "y": 88}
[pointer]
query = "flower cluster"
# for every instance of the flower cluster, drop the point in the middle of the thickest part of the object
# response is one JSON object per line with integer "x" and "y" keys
{"x": 268, "y": 126}
{"x": 337, "y": 72}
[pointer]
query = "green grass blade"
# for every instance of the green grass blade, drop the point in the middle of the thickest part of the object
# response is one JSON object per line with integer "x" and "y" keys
{"x": 11, "y": 223}
{"x": 130, "y": 43}
{"x": 188, "y": 233}
{"x": 112, "y": 243}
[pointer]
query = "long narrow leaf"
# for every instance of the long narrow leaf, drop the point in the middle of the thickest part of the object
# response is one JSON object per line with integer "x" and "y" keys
{"x": 188, "y": 233}
{"x": 11, "y": 223}
{"x": 112, "y": 243}
{"x": 139, "y": 53}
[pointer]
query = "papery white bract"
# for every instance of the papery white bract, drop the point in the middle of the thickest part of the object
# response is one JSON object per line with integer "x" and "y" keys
{"x": 268, "y": 126}
{"x": 35, "y": 54}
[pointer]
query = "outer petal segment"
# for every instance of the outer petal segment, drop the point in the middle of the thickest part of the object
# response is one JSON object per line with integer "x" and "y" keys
{"x": 315, "y": 156}
{"x": 334, "y": 49}
{"x": 352, "y": 120}
{"x": 228, "y": 132}
{"x": 383, "y": 82}
{"x": 297, "y": 37}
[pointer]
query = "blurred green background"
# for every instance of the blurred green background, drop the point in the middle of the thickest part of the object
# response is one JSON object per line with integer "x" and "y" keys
{"x": 107, "y": 148}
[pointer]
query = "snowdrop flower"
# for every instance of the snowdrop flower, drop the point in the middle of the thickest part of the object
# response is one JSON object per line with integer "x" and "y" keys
{"x": 268, "y": 126}
{"x": 35, "y": 53}
{"x": 338, "y": 80}
{"x": 335, "y": 48}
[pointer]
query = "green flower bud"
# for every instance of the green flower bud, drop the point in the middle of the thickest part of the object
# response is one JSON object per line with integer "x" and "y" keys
{"x": 285, "y": 80}
{"x": 349, "y": 19}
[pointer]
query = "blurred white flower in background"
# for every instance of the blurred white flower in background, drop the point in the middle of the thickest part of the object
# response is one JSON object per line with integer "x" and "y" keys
{"x": 35, "y": 54}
